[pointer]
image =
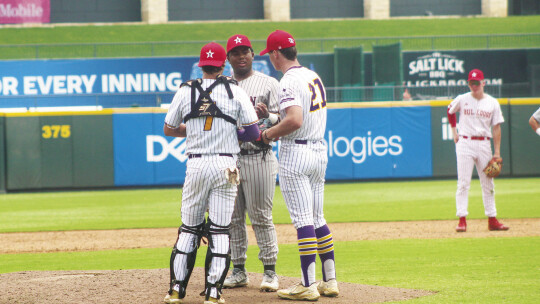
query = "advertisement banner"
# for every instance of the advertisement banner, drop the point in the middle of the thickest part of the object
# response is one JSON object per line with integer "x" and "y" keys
{"x": 25, "y": 11}
{"x": 143, "y": 155}
{"x": 378, "y": 143}
{"x": 363, "y": 143}
{"x": 102, "y": 76}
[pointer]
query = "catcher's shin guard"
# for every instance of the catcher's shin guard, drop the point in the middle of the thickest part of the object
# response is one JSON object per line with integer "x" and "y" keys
{"x": 210, "y": 230}
{"x": 191, "y": 257}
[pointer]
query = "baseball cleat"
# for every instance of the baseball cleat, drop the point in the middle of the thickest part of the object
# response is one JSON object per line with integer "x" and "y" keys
{"x": 270, "y": 281}
{"x": 495, "y": 225}
{"x": 173, "y": 298}
{"x": 238, "y": 278}
{"x": 462, "y": 226}
{"x": 300, "y": 293}
{"x": 211, "y": 300}
{"x": 329, "y": 288}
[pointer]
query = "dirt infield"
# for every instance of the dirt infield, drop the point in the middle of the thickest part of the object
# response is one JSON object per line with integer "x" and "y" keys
{"x": 149, "y": 286}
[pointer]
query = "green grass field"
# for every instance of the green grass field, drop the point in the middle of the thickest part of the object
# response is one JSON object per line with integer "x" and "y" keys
{"x": 464, "y": 270}
{"x": 141, "y": 36}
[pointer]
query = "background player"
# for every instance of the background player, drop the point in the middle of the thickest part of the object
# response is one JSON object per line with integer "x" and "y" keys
{"x": 534, "y": 122}
{"x": 258, "y": 170}
{"x": 302, "y": 165}
{"x": 479, "y": 114}
{"x": 211, "y": 143}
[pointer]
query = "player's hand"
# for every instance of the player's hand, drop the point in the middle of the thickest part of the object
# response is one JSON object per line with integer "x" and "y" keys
{"x": 265, "y": 138}
{"x": 262, "y": 110}
{"x": 455, "y": 135}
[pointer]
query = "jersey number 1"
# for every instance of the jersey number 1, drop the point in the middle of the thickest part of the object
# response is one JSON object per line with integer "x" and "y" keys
{"x": 317, "y": 101}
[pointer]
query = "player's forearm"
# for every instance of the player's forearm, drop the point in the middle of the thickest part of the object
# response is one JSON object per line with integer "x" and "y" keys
{"x": 535, "y": 126}
{"x": 248, "y": 133}
{"x": 286, "y": 126}
{"x": 497, "y": 140}
{"x": 175, "y": 132}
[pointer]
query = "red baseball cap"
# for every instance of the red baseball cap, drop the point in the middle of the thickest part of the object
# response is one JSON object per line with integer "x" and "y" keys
{"x": 237, "y": 40}
{"x": 278, "y": 40}
{"x": 476, "y": 74}
{"x": 212, "y": 54}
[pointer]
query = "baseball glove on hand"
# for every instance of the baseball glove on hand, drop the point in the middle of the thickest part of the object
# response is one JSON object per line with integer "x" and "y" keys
{"x": 494, "y": 167}
{"x": 259, "y": 143}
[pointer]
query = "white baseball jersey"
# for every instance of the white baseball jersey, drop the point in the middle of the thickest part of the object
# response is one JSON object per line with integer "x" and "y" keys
{"x": 536, "y": 115}
{"x": 303, "y": 87}
{"x": 261, "y": 88}
{"x": 206, "y": 135}
{"x": 257, "y": 183}
{"x": 212, "y": 145}
{"x": 476, "y": 116}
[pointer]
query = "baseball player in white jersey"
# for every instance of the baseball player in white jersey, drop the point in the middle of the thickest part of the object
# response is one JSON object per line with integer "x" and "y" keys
{"x": 534, "y": 122}
{"x": 258, "y": 170}
{"x": 302, "y": 165}
{"x": 206, "y": 111}
{"x": 480, "y": 117}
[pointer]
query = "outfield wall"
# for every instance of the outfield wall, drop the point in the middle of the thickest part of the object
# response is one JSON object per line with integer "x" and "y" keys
{"x": 126, "y": 147}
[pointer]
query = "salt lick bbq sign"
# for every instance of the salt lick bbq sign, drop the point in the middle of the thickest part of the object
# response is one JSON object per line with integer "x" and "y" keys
{"x": 25, "y": 11}
{"x": 437, "y": 69}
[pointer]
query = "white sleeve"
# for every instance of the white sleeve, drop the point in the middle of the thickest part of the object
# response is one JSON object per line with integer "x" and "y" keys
{"x": 288, "y": 95}
{"x": 175, "y": 116}
{"x": 273, "y": 91}
{"x": 454, "y": 106}
{"x": 247, "y": 116}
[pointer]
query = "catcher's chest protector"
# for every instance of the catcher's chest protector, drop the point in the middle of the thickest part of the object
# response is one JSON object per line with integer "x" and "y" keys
{"x": 205, "y": 106}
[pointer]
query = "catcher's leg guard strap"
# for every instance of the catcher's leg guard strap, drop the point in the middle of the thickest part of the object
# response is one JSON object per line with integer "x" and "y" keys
{"x": 190, "y": 260}
{"x": 211, "y": 230}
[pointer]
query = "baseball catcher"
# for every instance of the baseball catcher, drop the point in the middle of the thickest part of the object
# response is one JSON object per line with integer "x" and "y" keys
{"x": 494, "y": 167}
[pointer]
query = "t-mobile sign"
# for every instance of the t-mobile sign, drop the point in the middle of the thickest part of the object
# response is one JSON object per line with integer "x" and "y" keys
{"x": 25, "y": 11}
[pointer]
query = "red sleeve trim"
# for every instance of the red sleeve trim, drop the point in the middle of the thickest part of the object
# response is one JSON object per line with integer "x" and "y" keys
{"x": 451, "y": 118}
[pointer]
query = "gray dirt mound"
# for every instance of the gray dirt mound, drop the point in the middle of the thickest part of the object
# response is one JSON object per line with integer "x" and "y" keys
{"x": 150, "y": 286}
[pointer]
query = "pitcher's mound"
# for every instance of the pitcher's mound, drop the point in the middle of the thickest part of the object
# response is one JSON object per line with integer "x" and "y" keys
{"x": 143, "y": 286}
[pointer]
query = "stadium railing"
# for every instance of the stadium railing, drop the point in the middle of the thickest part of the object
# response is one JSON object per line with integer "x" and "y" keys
{"x": 334, "y": 95}
{"x": 319, "y": 45}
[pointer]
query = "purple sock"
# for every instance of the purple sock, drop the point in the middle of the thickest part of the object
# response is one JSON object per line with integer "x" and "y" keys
{"x": 307, "y": 246}
{"x": 325, "y": 248}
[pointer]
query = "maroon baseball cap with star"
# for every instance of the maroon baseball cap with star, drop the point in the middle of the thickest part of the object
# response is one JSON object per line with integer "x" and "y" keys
{"x": 212, "y": 54}
{"x": 237, "y": 40}
{"x": 476, "y": 74}
{"x": 278, "y": 40}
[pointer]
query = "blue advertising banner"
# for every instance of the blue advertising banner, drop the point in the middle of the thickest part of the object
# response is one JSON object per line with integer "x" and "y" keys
{"x": 25, "y": 83}
{"x": 143, "y": 155}
{"x": 378, "y": 143}
{"x": 362, "y": 143}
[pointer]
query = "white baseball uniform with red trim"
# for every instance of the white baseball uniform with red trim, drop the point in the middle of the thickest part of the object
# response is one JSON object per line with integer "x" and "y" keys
{"x": 257, "y": 183}
{"x": 476, "y": 117}
{"x": 303, "y": 157}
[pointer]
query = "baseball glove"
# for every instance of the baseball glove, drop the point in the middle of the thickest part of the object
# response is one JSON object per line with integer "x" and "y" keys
{"x": 494, "y": 167}
{"x": 259, "y": 143}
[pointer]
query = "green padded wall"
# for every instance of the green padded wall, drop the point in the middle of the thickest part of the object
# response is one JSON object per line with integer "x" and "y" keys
{"x": 59, "y": 151}
{"x": 93, "y": 151}
{"x": 2, "y": 155}
{"x": 525, "y": 142}
{"x": 23, "y": 152}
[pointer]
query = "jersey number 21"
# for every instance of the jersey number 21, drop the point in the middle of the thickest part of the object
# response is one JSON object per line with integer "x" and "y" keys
{"x": 318, "y": 101}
